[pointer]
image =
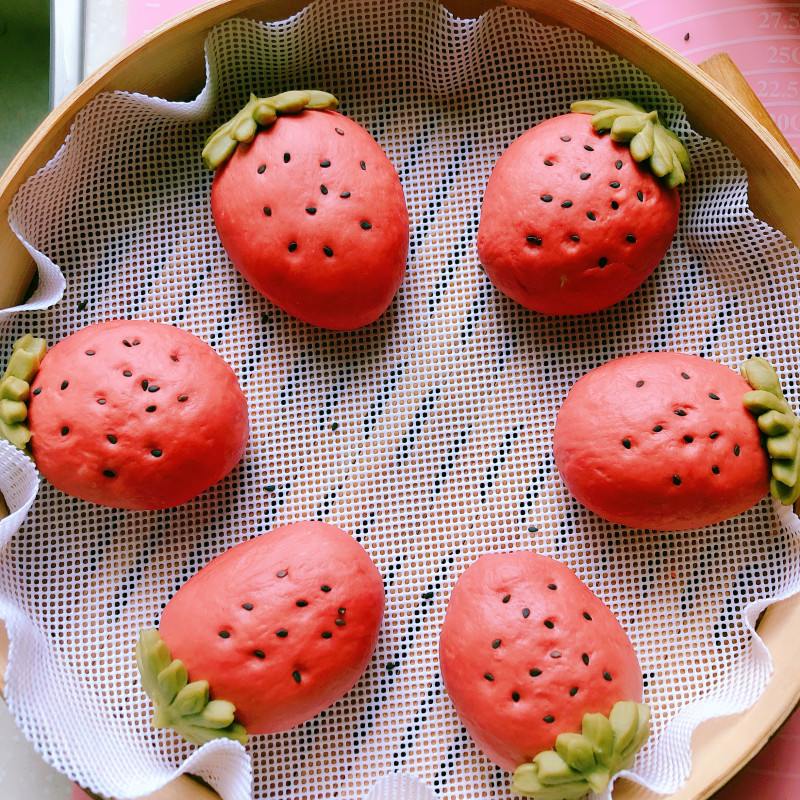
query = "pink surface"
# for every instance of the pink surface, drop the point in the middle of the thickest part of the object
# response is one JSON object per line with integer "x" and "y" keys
{"x": 144, "y": 15}
{"x": 763, "y": 38}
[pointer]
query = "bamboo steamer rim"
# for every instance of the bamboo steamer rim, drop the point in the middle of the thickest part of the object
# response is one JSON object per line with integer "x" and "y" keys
{"x": 718, "y": 102}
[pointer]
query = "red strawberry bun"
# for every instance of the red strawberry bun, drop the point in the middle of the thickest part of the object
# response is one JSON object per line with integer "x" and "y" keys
{"x": 136, "y": 414}
{"x": 662, "y": 441}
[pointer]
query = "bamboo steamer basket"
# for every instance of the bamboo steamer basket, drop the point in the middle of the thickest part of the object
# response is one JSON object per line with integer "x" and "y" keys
{"x": 719, "y": 103}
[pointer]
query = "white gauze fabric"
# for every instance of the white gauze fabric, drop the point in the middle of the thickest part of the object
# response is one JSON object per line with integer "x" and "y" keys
{"x": 427, "y": 434}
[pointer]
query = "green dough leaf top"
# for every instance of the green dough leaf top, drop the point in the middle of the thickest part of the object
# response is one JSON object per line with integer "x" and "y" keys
{"x": 15, "y": 387}
{"x": 778, "y": 422}
{"x": 179, "y": 705}
{"x": 261, "y": 112}
{"x": 648, "y": 139}
{"x": 585, "y": 762}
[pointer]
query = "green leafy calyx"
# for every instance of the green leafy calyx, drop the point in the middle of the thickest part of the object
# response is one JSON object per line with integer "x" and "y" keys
{"x": 649, "y": 140}
{"x": 179, "y": 705}
{"x": 585, "y": 762}
{"x": 261, "y": 112}
{"x": 15, "y": 389}
{"x": 778, "y": 422}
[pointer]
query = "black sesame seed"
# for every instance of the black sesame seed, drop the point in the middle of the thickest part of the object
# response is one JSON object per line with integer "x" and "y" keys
{"x": 64, "y": 431}
{"x": 631, "y": 238}
{"x": 535, "y": 673}
{"x": 267, "y": 211}
{"x": 488, "y": 676}
{"x": 261, "y": 169}
{"x": 247, "y": 606}
{"x": 585, "y": 176}
{"x": 282, "y": 633}
{"x": 496, "y": 643}
{"x": 112, "y": 439}
{"x": 301, "y": 603}
{"x": 366, "y": 225}
{"x": 325, "y": 587}
{"x": 64, "y": 384}
{"x": 676, "y": 480}
{"x": 549, "y": 718}
{"x": 626, "y": 443}
{"x": 224, "y": 635}
{"x": 573, "y": 691}
{"x": 328, "y": 251}
{"x": 259, "y": 654}
{"x": 506, "y": 598}
{"x": 292, "y": 247}
{"x": 515, "y": 696}
{"x": 567, "y": 204}
{"x": 715, "y": 469}
{"x": 427, "y": 595}
{"x": 326, "y": 634}
{"x": 281, "y": 573}
{"x": 548, "y": 623}
{"x": 156, "y": 453}
{"x": 547, "y": 198}
{"x": 526, "y": 612}
{"x": 286, "y": 158}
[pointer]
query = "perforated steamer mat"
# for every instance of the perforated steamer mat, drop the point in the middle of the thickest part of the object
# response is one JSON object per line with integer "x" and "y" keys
{"x": 427, "y": 435}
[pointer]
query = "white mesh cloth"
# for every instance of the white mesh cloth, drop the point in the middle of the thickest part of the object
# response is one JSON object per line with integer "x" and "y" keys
{"x": 427, "y": 434}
